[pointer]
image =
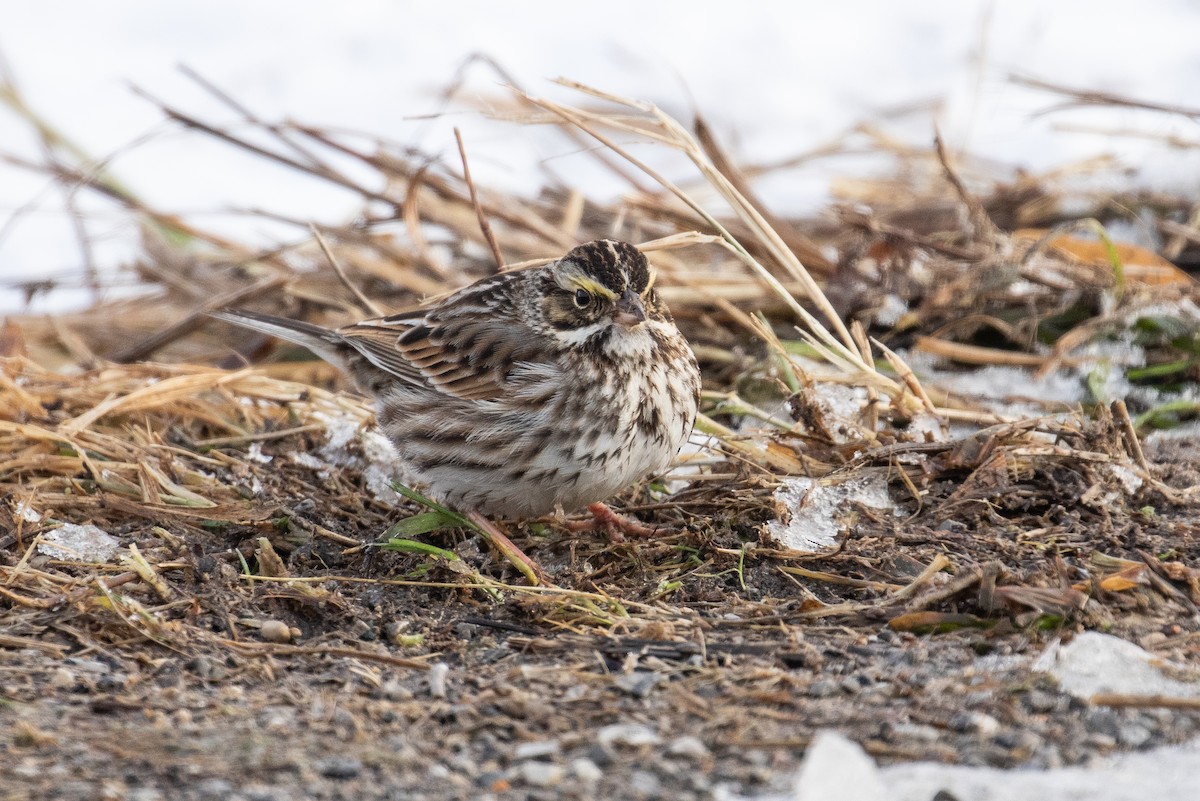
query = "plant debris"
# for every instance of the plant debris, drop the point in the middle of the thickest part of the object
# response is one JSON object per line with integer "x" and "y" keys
{"x": 959, "y": 378}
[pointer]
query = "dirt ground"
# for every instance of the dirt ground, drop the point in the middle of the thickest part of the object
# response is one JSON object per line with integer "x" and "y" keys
{"x": 682, "y": 667}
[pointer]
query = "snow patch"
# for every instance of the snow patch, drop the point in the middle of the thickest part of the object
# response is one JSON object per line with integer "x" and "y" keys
{"x": 77, "y": 543}
{"x": 815, "y": 509}
{"x": 1100, "y": 663}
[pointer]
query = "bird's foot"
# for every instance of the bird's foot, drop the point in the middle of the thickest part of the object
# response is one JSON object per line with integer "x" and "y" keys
{"x": 616, "y": 526}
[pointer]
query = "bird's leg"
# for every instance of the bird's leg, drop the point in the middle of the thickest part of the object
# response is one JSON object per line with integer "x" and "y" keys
{"x": 615, "y": 525}
{"x": 530, "y": 569}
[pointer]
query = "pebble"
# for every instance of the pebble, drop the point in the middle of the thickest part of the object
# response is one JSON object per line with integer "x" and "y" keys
{"x": 913, "y": 732}
{"x": 339, "y": 767}
{"x": 536, "y": 750}
{"x": 541, "y": 774}
{"x": 1133, "y": 735}
{"x": 645, "y": 784}
{"x": 395, "y": 691}
{"x": 980, "y": 723}
{"x": 110, "y": 682}
{"x": 853, "y": 684}
{"x": 1042, "y": 701}
{"x": 823, "y": 688}
{"x": 1019, "y": 740}
{"x": 144, "y": 794}
{"x": 75, "y": 791}
{"x": 437, "y": 679}
{"x": 688, "y": 746}
{"x": 213, "y": 789}
{"x": 639, "y": 683}
{"x": 1100, "y": 742}
{"x": 201, "y": 666}
{"x": 62, "y": 678}
{"x": 628, "y": 734}
{"x": 275, "y": 631}
{"x": 260, "y": 792}
{"x": 586, "y": 770}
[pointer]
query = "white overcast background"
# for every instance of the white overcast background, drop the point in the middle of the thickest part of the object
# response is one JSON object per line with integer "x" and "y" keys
{"x": 774, "y": 79}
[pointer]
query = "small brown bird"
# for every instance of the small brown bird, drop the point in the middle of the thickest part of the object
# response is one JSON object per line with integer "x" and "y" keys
{"x": 527, "y": 392}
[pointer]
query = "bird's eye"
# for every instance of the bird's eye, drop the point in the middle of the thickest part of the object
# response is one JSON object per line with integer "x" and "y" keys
{"x": 582, "y": 298}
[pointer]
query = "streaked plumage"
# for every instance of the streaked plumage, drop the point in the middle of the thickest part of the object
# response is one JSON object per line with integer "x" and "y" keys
{"x": 526, "y": 392}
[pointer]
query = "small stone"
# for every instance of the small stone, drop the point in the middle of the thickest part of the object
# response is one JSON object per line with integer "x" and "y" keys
{"x": 144, "y": 794}
{"x": 536, "y": 750}
{"x": 1019, "y": 740}
{"x": 688, "y": 746}
{"x": 627, "y": 734}
{"x": 639, "y": 683}
{"x": 201, "y": 666}
{"x": 275, "y": 631}
{"x": 599, "y": 754}
{"x": 977, "y": 722}
{"x": 823, "y": 688}
{"x": 491, "y": 779}
{"x": 75, "y": 791}
{"x": 1133, "y": 735}
{"x": 1041, "y": 701}
{"x": 213, "y": 789}
{"x": 855, "y": 683}
{"x": 645, "y": 784}
{"x": 1149, "y": 641}
{"x": 395, "y": 691}
{"x": 541, "y": 774}
{"x": 913, "y": 732}
{"x": 339, "y": 767}
{"x": 757, "y": 757}
{"x": 586, "y": 770}
{"x": 437, "y": 679}
{"x": 62, "y": 678}
{"x": 110, "y": 682}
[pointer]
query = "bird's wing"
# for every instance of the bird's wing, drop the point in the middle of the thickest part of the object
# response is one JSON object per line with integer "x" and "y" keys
{"x": 469, "y": 357}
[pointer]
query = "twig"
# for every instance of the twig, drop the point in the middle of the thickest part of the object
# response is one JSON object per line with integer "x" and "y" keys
{"x": 250, "y": 117}
{"x": 1121, "y": 413}
{"x": 165, "y": 336}
{"x": 301, "y": 650}
{"x": 363, "y": 300}
{"x": 804, "y": 248}
{"x": 984, "y": 227}
{"x": 939, "y": 563}
{"x": 1121, "y": 700}
{"x": 1091, "y": 97}
{"x": 484, "y": 225}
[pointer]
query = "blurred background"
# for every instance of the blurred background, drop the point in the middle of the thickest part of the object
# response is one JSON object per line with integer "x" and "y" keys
{"x": 805, "y": 85}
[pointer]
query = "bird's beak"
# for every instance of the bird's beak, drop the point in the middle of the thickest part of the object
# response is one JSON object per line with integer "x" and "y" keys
{"x": 630, "y": 311}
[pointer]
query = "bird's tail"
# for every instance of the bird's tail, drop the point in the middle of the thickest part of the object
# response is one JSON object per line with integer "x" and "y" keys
{"x": 327, "y": 344}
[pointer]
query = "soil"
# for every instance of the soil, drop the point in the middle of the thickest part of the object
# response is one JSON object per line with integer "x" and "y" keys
{"x": 280, "y": 660}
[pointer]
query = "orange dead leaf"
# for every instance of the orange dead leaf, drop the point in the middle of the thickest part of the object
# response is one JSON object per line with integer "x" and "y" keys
{"x": 1142, "y": 265}
{"x": 1117, "y": 583}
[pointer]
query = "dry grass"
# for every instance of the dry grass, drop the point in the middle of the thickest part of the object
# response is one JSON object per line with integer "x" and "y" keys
{"x": 245, "y": 494}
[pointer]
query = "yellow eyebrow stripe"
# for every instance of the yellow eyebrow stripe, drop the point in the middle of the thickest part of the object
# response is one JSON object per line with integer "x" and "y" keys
{"x": 650, "y": 283}
{"x": 595, "y": 287}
